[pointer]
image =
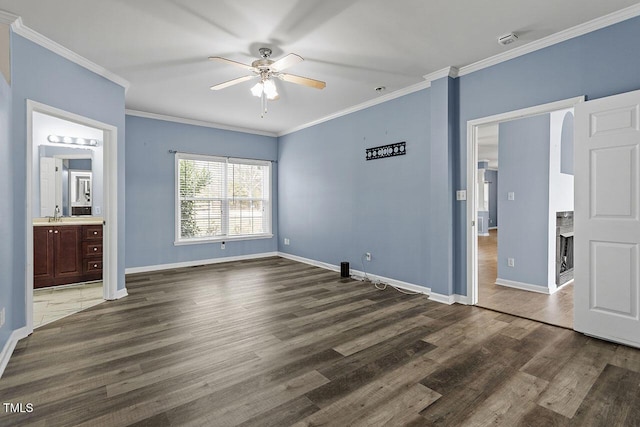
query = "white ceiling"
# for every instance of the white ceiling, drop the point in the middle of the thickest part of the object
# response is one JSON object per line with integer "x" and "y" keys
{"x": 161, "y": 46}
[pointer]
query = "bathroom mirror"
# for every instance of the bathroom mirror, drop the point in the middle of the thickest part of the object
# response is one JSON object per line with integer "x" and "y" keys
{"x": 67, "y": 168}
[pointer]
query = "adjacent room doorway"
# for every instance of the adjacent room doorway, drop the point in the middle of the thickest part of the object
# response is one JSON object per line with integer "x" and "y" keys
{"x": 108, "y": 209}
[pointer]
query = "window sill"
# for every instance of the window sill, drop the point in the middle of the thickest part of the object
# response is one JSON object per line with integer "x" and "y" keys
{"x": 221, "y": 239}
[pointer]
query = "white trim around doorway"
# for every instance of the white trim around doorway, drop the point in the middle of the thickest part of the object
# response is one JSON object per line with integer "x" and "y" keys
{"x": 472, "y": 164}
{"x": 110, "y": 213}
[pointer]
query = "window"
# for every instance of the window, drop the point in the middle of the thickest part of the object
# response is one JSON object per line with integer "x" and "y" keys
{"x": 221, "y": 199}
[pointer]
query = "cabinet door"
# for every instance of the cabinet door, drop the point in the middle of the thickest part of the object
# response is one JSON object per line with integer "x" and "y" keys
{"x": 43, "y": 259}
{"x": 68, "y": 250}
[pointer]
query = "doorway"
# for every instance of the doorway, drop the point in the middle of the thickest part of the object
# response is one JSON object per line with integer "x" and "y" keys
{"x": 104, "y": 195}
{"x": 482, "y": 235}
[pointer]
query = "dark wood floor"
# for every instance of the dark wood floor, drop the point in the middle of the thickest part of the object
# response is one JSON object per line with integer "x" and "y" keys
{"x": 273, "y": 342}
{"x": 556, "y": 309}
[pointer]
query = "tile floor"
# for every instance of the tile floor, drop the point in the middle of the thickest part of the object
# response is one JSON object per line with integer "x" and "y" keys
{"x": 54, "y": 303}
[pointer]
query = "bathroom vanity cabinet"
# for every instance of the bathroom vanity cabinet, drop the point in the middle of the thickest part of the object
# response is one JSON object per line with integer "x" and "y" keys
{"x": 64, "y": 254}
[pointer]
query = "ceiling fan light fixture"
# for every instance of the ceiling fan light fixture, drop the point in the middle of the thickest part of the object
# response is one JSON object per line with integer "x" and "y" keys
{"x": 257, "y": 89}
{"x": 267, "y": 87}
{"x": 270, "y": 90}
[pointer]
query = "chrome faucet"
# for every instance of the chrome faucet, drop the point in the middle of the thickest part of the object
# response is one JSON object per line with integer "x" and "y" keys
{"x": 56, "y": 215}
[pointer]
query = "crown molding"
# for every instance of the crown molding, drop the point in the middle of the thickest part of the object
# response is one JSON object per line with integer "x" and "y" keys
{"x": 445, "y": 72}
{"x": 7, "y": 18}
{"x": 19, "y": 28}
{"x": 382, "y": 99}
{"x": 578, "y": 30}
{"x": 452, "y": 72}
{"x": 192, "y": 122}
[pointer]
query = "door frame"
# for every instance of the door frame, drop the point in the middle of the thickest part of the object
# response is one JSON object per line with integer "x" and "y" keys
{"x": 472, "y": 178}
{"x": 110, "y": 208}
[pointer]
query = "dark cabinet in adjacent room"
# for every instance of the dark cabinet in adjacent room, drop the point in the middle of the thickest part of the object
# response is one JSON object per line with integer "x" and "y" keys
{"x": 65, "y": 254}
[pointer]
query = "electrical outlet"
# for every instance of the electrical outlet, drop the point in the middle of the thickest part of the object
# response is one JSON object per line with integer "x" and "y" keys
{"x": 222, "y": 245}
{"x": 2, "y": 317}
{"x": 367, "y": 256}
{"x": 97, "y": 210}
{"x": 286, "y": 241}
{"x": 511, "y": 195}
{"x": 511, "y": 262}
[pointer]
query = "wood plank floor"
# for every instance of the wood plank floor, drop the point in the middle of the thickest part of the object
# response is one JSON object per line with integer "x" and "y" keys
{"x": 273, "y": 342}
{"x": 556, "y": 309}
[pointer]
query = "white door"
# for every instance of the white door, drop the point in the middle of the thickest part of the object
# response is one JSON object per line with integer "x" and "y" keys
{"x": 50, "y": 185}
{"x": 607, "y": 218}
{"x": 47, "y": 186}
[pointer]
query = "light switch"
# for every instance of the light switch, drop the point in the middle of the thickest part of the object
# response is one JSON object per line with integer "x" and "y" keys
{"x": 511, "y": 195}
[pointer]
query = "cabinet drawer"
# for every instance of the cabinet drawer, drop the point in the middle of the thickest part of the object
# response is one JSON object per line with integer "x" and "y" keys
{"x": 92, "y": 232}
{"x": 94, "y": 266}
{"x": 90, "y": 248}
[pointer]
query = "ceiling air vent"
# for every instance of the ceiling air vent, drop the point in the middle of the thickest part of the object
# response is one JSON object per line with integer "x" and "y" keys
{"x": 507, "y": 39}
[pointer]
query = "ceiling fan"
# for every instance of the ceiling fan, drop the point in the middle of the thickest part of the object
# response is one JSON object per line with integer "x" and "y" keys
{"x": 266, "y": 70}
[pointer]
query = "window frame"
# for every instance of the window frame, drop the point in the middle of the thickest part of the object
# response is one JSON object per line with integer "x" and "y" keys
{"x": 268, "y": 202}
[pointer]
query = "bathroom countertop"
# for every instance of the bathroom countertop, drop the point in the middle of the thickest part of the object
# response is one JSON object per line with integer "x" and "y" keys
{"x": 69, "y": 220}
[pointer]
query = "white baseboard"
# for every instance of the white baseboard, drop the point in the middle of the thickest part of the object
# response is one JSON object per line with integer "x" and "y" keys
{"x": 10, "y": 345}
{"x": 311, "y": 262}
{"x": 121, "y": 293}
{"x": 484, "y": 234}
{"x": 462, "y": 299}
{"x": 441, "y": 298}
{"x": 493, "y": 228}
{"x": 159, "y": 267}
{"x": 522, "y": 286}
{"x": 357, "y": 274}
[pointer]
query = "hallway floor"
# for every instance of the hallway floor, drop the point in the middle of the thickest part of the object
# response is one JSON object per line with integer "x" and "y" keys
{"x": 50, "y": 304}
{"x": 556, "y": 309}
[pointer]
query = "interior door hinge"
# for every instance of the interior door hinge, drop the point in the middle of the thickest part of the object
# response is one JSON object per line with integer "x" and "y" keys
{"x": 473, "y": 223}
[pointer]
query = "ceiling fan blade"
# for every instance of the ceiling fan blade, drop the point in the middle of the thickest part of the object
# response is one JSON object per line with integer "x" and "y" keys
{"x": 229, "y": 61}
{"x": 232, "y": 82}
{"x": 286, "y": 62}
{"x": 305, "y": 81}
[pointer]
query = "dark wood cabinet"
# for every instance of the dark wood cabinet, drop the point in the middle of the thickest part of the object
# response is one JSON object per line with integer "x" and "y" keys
{"x": 43, "y": 260}
{"x": 65, "y": 254}
{"x": 92, "y": 252}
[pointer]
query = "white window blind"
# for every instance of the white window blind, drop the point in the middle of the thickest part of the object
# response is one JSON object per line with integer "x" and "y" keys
{"x": 220, "y": 198}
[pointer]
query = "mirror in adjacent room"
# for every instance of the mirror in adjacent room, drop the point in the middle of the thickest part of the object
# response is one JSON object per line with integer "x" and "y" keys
{"x": 68, "y": 168}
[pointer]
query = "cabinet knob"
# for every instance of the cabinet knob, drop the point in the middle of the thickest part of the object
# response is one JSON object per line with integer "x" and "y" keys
{"x": 95, "y": 265}
{"x": 95, "y": 232}
{"x": 95, "y": 249}
{"x": 56, "y": 231}
{"x": 50, "y": 231}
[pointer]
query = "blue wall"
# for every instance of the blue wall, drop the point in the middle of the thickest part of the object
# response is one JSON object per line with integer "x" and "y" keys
{"x": 6, "y": 212}
{"x": 598, "y": 64}
{"x": 150, "y": 175}
{"x": 524, "y": 167}
{"x": 492, "y": 177}
{"x": 43, "y": 76}
{"x": 334, "y": 205}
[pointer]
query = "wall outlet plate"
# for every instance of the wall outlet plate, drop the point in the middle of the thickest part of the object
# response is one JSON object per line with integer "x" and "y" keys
{"x": 461, "y": 195}
{"x": 222, "y": 245}
{"x": 511, "y": 262}
{"x": 2, "y": 317}
{"x": 511, "y": 195}
{"x": 286, "y": 241}
{"x": 367, "y": 256}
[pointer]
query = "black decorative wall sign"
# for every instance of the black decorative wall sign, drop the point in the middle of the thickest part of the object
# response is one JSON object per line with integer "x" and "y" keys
{"x": 397, "y": 149}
